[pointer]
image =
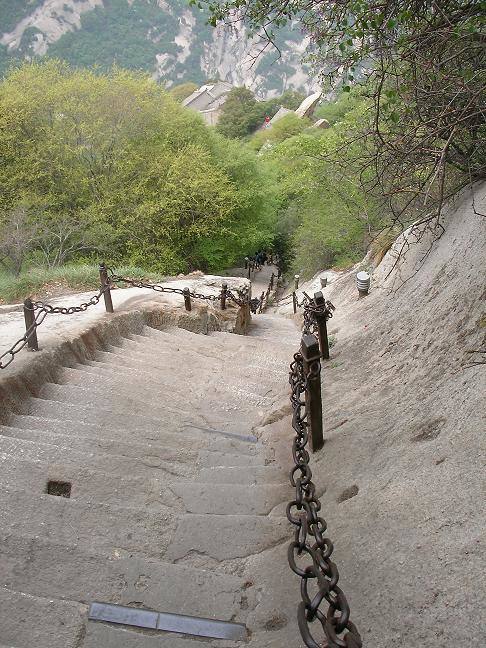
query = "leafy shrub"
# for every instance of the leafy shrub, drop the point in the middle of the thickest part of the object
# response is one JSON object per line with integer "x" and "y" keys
{"x": 136, "y": 176}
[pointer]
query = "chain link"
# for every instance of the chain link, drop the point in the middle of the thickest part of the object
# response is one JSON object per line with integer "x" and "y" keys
{"x": 239, "y": 297}
{"x": 41, "y": 311}
{"x": 312, "y": 311}
{"x": 310, "y": 541}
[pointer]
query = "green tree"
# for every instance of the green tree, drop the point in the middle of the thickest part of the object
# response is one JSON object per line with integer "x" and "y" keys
{"x": 111, "y": 162}
{"x": 423, "y": 66}
{"x": 281, "y": 130}
{"x": 324, "y": 216}
{"x": 182, "y": 91}
{"x": 238, "y": 116}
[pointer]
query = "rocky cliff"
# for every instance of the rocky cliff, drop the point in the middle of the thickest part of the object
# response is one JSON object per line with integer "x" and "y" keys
{"x": 167, "y": 38}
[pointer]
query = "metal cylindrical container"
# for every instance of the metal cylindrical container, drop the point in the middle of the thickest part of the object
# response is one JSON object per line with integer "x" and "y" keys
{"x": 363, "y": 281}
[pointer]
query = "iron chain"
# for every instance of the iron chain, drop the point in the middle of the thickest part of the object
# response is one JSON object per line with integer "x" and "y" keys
{"x": 41, "y": 311}
{"x": 240, "y": 297}
{"x": 312, "y": 311}
{"x": 303, "y": 512}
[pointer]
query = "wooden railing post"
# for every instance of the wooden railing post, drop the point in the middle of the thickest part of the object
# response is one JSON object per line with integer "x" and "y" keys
{"x": 187, "y": 299}
{"x": 29, "y": 317}
{"x": 224, "y": 290}
{"x": 271, "y": 281}
{"x": 313, "y": 399}
{"x": 294, "y": 302}
{"x": 322, "y": 325}
{"x": 262, "y": 298}
{"x": 105, "y": 286}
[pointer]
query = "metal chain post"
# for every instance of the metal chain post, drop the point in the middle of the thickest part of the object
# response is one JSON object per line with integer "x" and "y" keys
{"x": 313, "y": 398}
{"x": 187, "y": 299}
{"x": 224, "y": 290}
{"x": 105, "y": 287}
{"x": 30, "y": 325}
{"x": 321, "y": 321}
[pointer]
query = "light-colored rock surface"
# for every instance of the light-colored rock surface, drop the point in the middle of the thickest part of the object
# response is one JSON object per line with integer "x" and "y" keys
{"x": 307, "y": 107}
{"x": 321, "y": 123}
{"x": 405, "y": 423}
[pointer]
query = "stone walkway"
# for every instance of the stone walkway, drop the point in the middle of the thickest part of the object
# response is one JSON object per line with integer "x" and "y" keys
{"x": 177, "y": 496}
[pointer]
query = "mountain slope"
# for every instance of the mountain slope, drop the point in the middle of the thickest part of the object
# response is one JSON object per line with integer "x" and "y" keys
{"x": 167, "y": 38}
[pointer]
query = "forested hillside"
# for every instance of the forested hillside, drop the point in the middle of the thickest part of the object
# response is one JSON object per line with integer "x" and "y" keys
{"x": 170, "y": 40}
{"x": 110, "y": 164}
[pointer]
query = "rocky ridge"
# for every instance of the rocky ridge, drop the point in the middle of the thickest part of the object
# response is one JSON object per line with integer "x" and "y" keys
{"x": 183, "y": 48}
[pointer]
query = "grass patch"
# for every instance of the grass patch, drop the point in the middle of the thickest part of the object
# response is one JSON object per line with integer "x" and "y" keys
{"x": 43, "y": 283}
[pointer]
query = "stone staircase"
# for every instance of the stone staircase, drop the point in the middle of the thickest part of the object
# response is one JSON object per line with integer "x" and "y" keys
{"x": 175, "y": 505}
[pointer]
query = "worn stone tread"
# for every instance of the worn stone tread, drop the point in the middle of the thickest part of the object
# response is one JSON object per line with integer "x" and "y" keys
{"x": 185, "y": 436}
{"x": 164, "y": 534}
{"x": 34, "y": 622}
{"x": 45, "y": 567}
{"x": 212, "y": 402}
{"x": 97, "y": 443}
{"x": 150, "y": 493}
{"x": 162, "y": 450}
{"x": 231, "y": 498}
{"x": 102, "y": 635}
{"x": 227, "y": 342}
{"x": 140, "y": 426}
{"x": 108, "y": 375}
{"x": 244, "y": 475}
{"x": 93, "y": 525}
{"x": 149, "y": 465}
{"x": 88, "y": 485}
{"x": 249, "y": 535}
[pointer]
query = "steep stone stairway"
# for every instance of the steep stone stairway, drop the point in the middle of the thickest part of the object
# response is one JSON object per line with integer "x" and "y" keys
{"x": 175, "y": 504}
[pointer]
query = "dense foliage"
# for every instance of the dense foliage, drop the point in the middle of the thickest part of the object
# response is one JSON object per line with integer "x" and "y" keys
{"x": 116, "y": 33}
{"x": 325, "y": 217}
{"x": 242, "y": 114}
{"x": 110, "y": 163}
{"x": 422, "y": 64}
{"x": 183, "y": 90}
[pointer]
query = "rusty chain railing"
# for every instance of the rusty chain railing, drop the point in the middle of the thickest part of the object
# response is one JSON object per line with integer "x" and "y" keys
{"x": 310, "y": 542}
{"x": 36, "y": 312}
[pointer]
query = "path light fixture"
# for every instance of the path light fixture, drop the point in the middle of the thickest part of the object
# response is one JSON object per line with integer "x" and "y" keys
{"x": 363, "y": 280}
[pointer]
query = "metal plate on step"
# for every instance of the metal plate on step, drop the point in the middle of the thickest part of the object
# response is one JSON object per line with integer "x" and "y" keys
{"x": 165, "y": 622}
{"x": 124, "y": 615}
